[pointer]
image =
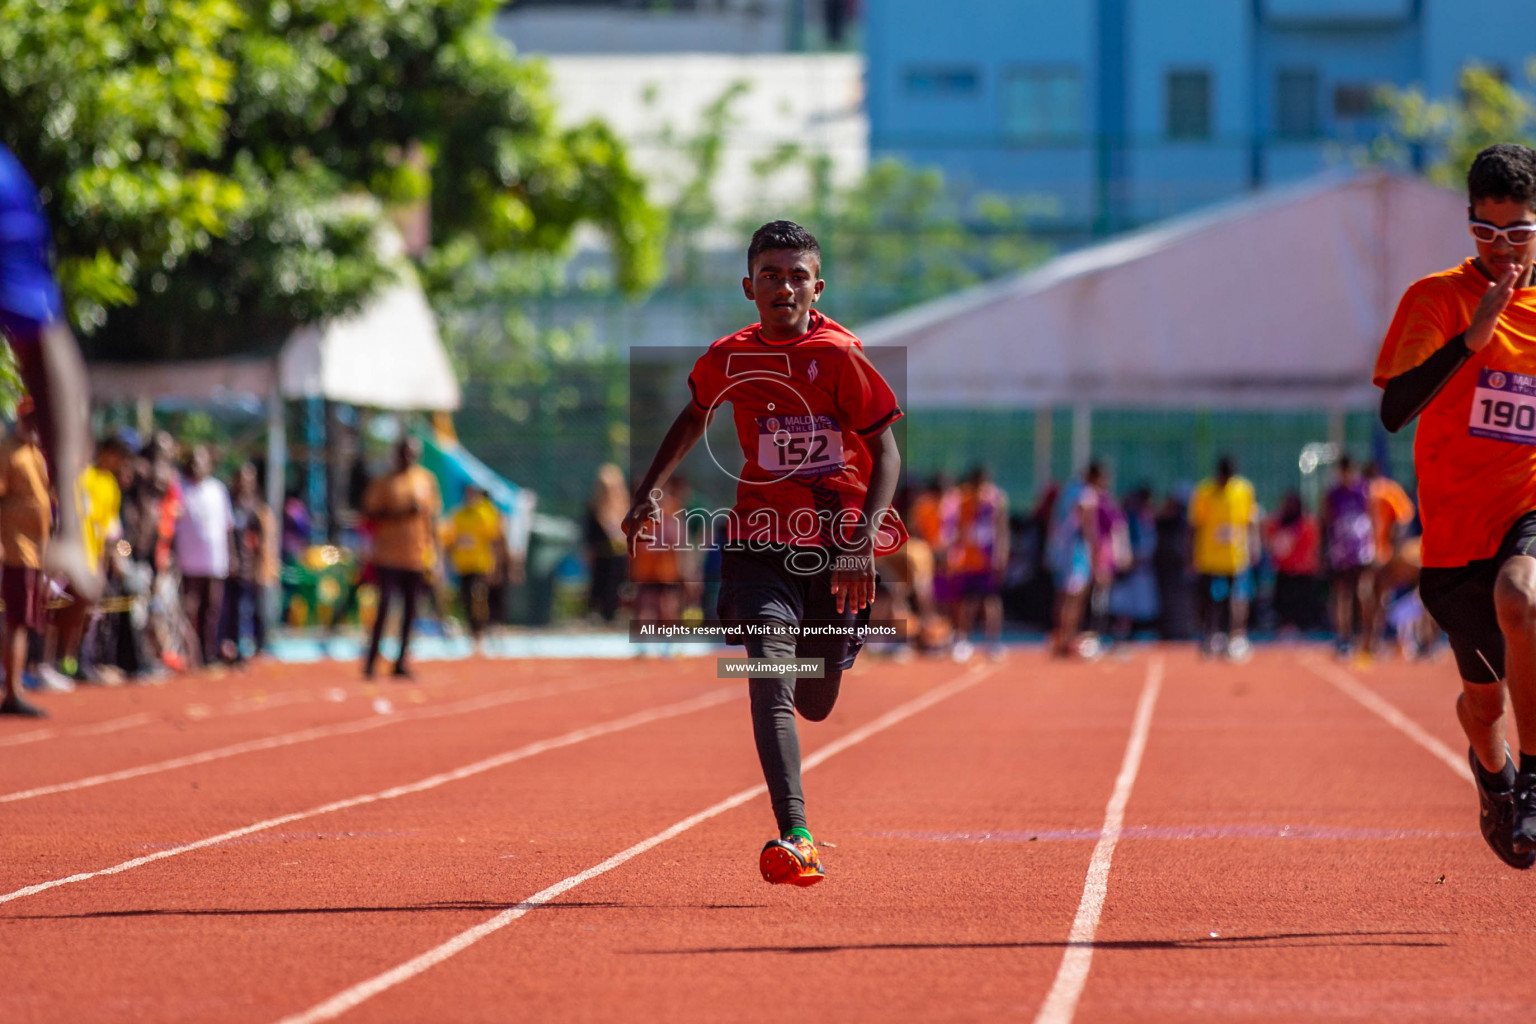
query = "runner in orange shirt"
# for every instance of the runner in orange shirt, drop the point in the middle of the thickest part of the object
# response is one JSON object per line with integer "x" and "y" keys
{"x": 1460, "y": 356}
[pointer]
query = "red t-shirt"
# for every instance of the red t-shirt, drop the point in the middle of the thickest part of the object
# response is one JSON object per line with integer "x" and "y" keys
{"x": 803, "y": 409}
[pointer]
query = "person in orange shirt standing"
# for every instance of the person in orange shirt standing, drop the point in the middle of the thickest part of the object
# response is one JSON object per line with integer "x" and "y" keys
{"x": 1460, "y": 356}
{"x": 1391, "y": 514}
{"x": 403, "y": 506}
{"x": 26, "y": 519}
{"x": 980, "y": 558}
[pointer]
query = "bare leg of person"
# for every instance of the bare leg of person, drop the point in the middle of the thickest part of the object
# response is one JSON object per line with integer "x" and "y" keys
{"x": 1514, "y": 598}
{"x": 54, "y": 373}
{"x": 1480, "y": 709}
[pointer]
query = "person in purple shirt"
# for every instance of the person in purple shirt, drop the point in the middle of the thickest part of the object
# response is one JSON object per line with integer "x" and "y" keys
{"x": 1349, "y": 549}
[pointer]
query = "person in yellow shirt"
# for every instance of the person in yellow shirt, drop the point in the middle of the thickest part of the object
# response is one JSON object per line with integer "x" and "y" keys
{"x": 474, "y": 538}
{"x": 100, "y": 497}
{"x": 1222, "y": 513}
{"x": 403, "y": 506}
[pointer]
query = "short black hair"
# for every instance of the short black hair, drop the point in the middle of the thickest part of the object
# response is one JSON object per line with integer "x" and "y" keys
{"x": 1506, "y": 171}
{"x": 1226, "y": 467}
{"x": 781, "y": 234}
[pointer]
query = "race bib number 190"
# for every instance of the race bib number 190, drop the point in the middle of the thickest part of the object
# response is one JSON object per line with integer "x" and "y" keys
{"x": 799, "y": 444}
{"x": 1504, "y": 407}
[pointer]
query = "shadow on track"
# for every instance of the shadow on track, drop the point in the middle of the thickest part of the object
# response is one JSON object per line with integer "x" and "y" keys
{"x": 492, "y": 906}
{"x": 1278, "y": 940}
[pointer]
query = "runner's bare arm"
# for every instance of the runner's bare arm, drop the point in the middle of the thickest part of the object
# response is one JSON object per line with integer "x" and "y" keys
{"x": 681, "y": 437}
{"x": 853, "y": 574}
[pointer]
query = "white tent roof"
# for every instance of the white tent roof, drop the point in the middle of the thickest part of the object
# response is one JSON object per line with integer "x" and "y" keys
{"x": 388, "y": 356}
{"x": 1278, "y": 300}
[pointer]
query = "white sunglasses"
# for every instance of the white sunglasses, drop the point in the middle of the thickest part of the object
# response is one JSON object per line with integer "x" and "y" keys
{"x": 1515, "y": 234}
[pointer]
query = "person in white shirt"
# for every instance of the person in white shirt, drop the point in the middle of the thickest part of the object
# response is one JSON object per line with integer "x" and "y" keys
{"x": 203, "y": 536}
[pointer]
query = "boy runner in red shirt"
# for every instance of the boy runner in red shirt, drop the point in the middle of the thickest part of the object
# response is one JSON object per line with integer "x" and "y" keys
{"x": 1461, "y": 356}
{"x": 812, "y": 505}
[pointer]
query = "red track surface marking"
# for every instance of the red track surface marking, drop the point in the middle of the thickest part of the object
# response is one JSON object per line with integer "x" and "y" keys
{"x": 1346, "y": 925}
{"x": 349, "y": 728}
{"x": 1373, "y": 701}
{"x": 363, "y": 991}
{"x": 394, "y": 792}
{"x": 1061, "y": 1002}
{"x": 902, "y": 930}
{"x": 1282, "y": 857}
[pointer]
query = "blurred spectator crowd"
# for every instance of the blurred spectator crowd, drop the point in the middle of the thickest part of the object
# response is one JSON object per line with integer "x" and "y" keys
{"x": 1091, "y": 567}
{"x": 189, "y": 563}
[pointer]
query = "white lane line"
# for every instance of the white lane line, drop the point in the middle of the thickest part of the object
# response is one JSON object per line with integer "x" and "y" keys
{"x": 1061, "y": 1003}
{"x": 27, "y": 737}
{"x": 709, "y": 700}
{"x": 305, "y": 735}
{"x": 199, "y": 712}
{"x": 1364, "y": 695}
{"x": 114, "y": 725}
{"x": 363, "y": 991}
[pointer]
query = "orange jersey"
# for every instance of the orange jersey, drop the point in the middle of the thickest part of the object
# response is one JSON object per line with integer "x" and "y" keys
{"x": 978, "y": 539}
{"x": 1475, "y": 452}
{"x": 1390, "y": 508}
{"x": 803, "y": 409}
{"x": 655, "y": 559}
{"x": 936, "y": 518}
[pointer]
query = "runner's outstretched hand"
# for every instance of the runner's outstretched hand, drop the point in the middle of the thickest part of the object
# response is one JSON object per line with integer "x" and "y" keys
{"x": 644, "y": 511}
{"x": 1486, "y": 317}
{"x": 853, "y": 575}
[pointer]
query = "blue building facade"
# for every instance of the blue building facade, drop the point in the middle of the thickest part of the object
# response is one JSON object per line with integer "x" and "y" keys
{"x": 1113, "y": 113}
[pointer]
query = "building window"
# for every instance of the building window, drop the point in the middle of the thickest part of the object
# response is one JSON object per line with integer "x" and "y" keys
{"x": 1042, "y": 103}
{"x": 1355, "y": 100}
{"x": 943, "y": 81}
{"x": 1296, "y": 104}
{"x": 1189, "y": 104}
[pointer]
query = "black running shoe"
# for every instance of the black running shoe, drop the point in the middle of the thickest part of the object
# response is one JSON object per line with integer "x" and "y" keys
{"x": 14, "y": 705}
{"x": 1523, "y": 815}
{"x": 1500, "y": 816}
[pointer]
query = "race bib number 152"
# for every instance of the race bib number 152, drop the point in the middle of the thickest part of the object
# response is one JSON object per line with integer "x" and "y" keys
{"x": 1504, "y": 407}
{"x": 809, "y": 445}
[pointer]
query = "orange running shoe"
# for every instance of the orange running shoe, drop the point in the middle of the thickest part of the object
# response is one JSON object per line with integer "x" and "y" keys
{"x": 791, "y": 862}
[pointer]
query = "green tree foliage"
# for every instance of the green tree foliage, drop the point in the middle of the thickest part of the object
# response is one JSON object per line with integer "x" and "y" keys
{"x": 1488, "y": 110}
{"x": 216, "y": 170}
{"x": 901, "y": 236}
{"x": 896, "y": 237}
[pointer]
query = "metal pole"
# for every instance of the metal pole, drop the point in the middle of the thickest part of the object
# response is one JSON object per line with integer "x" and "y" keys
{"x": 1043, "y": 444}
{"x": 277, "y": 474}
{"x": 1082, "y": 436}
{"x": 1336, "y": 428}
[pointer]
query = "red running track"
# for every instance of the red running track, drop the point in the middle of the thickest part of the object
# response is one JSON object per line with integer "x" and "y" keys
{"x": 1286, "y": 852}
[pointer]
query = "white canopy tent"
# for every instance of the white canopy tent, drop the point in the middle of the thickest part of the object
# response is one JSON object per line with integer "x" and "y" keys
{"x": 1278, "y": 301}
{"x": 388, "y": 355}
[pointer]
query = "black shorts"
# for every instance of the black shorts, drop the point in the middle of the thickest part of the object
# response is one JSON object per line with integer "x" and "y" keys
{"x": 765, "y": 585}
{"x": 1461, "y": 601}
